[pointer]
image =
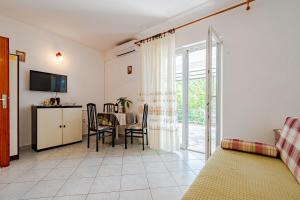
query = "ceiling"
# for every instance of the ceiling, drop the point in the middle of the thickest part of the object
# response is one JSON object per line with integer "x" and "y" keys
{"x": 100, "y": 24}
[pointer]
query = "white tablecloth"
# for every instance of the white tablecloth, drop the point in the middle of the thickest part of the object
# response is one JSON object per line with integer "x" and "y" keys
{"x": 122, "y": 121}
{"x": 121, "y": 118}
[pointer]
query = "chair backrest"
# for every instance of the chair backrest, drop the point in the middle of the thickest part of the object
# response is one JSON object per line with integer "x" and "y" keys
{"x": 92, "y": 117}
{"x": 130, "y": 118}
{"x": 145, "y": 116}
{"x": 110, "y": 108}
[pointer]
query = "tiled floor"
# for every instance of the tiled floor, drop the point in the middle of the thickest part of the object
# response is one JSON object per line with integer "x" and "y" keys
{"x": 76, "y": 173}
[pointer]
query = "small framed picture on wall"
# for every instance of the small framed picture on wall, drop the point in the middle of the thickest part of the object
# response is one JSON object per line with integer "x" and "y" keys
{"x": 129, "y": 69}
{"x": 22, "y": 55}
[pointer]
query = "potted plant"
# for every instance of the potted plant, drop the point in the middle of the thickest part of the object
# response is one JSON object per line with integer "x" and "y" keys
{"x": 124, "y": 102}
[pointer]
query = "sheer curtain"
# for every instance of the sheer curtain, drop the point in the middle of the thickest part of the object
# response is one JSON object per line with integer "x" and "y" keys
{"x": 158, "y": 90}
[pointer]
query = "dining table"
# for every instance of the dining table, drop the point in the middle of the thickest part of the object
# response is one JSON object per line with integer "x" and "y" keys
{"x": 123, "y": 119}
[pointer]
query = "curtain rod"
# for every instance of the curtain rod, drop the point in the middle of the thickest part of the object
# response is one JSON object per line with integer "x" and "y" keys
{"x": 247, "y": 3}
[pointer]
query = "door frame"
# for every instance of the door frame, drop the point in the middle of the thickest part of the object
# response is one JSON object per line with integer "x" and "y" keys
{"x": 184, "y": 52}
{"x": 213, "y": 34}
{"x": 16, "y": 157}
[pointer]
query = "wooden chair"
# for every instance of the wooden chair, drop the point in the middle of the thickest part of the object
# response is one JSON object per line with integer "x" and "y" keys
{"x": 94, "y": 126}
{"x": 110, "y": 108}
{"x": 138, "y": 130}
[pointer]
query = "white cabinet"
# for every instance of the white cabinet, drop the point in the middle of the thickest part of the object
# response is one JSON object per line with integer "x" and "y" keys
{"x": 55, "y": 126}
{"x": 72, "y": 125}
{"x": 49, "y": 127}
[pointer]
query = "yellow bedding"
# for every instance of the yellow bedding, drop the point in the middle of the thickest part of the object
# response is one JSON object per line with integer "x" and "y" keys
{"x": 232, "y": 175}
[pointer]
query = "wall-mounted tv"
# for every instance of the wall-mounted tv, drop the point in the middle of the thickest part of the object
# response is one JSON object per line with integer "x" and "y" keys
{"x": 42, "y": 81}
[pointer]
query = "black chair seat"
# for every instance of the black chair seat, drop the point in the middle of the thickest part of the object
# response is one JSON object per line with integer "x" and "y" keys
{"x": 104, "y": 128}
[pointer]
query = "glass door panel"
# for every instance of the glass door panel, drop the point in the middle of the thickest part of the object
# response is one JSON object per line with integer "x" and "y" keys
{"x": 213, "y": 100}
{"x": 196, "y": 99}
{"x": 214, "y": 56}
{"x": 179, "y": 96}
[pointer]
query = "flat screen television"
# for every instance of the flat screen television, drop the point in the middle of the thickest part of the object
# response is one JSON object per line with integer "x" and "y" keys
{"x": 42, "y": 81}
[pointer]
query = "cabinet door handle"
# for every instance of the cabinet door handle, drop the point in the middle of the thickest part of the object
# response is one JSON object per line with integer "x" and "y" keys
{"x": 60, "y": 126}
{"x": 64, "y": 126}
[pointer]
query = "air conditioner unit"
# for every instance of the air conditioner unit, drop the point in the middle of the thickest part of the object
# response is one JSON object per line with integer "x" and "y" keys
{"x": 126, "y": 48}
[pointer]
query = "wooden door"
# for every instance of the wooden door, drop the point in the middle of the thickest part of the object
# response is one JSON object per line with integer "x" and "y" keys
{"x": 4, "y": 105}
{"x": 49, "y": 127}
{"x": 72, "y": 125}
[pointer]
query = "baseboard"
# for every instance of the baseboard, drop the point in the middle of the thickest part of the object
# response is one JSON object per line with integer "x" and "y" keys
{"x": 15, "y": 157}
{"x": 34, "y": 147}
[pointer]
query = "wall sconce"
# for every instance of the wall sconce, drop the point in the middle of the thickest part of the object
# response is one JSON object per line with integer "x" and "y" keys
{"x": 59, "y": 56}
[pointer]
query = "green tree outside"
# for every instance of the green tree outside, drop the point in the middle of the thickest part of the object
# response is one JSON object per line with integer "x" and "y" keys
{"x": 196, "y": 102}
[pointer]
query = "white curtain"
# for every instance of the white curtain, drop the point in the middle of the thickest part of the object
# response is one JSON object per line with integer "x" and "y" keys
{"x": 158, "y": 91}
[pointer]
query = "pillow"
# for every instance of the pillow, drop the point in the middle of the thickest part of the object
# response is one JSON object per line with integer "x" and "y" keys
{"x": 277, "y": 134}
{"x": 289, "y": 145}
{"x": 250, "y": 147}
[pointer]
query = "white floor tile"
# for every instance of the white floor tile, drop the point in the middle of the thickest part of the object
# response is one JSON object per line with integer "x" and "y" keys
{"x": 177, "y": 166}
{"x": 91, "y": 162}
{"x": 15, "y": 191}
{"x": 157, "y": 167}
{"x": 74, "y": 197}
{"x": 59, "y": 173}
{"x": 136, "y": 195}
{"x": 184, "y": 188}
{"x": 114, "y": 152}
{"x": 134, "y": 182}
{"x": 76, "y": 186}
{"x": 110, "y": 170}
{"x": 184, "y": 178}
{"x": 151, "y": 158}
{"x": 129, "y": 171}
{"x": 160, "y": 180}
{"x": 149, "y": 152}
{"x": 112, "y": 161}
{"x": 132, "y": 152}
{"x": 45, "y": 164}
{"x": 69, "y": 163}
{"x": 11, "y": 174}
{"x": 166, "y": 193}
{"x": 104, "y": 196}
{"x": 99, "y": 154}
{"x": 23, "y": 164}
{"x": 77, "y": 155}
{"x": 44, "y": 189}
{"x": 132, "y": 160}
{"x": 196, "y": 172}
{"x": 106, "y": 184}
{"x": 85, "y": 172}
{"x": 170, "y": 157}
{"x": 137, "y": 168}
{"x": 33, "y": 175}
{"x": 2, "y": 185}
{"x": 195, "y": 164}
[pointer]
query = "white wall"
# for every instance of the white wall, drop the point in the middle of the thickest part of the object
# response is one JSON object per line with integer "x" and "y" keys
{"x": 83, "y": 66}
{"x": 261, "y": 64}
{"x": 120, "y": 84}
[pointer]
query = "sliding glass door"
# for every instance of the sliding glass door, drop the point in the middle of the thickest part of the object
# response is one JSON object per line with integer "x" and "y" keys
{"x": 198, "y": 102}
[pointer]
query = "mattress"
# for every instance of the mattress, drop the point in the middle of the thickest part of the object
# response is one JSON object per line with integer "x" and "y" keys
{"x": 232, "y": 175}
